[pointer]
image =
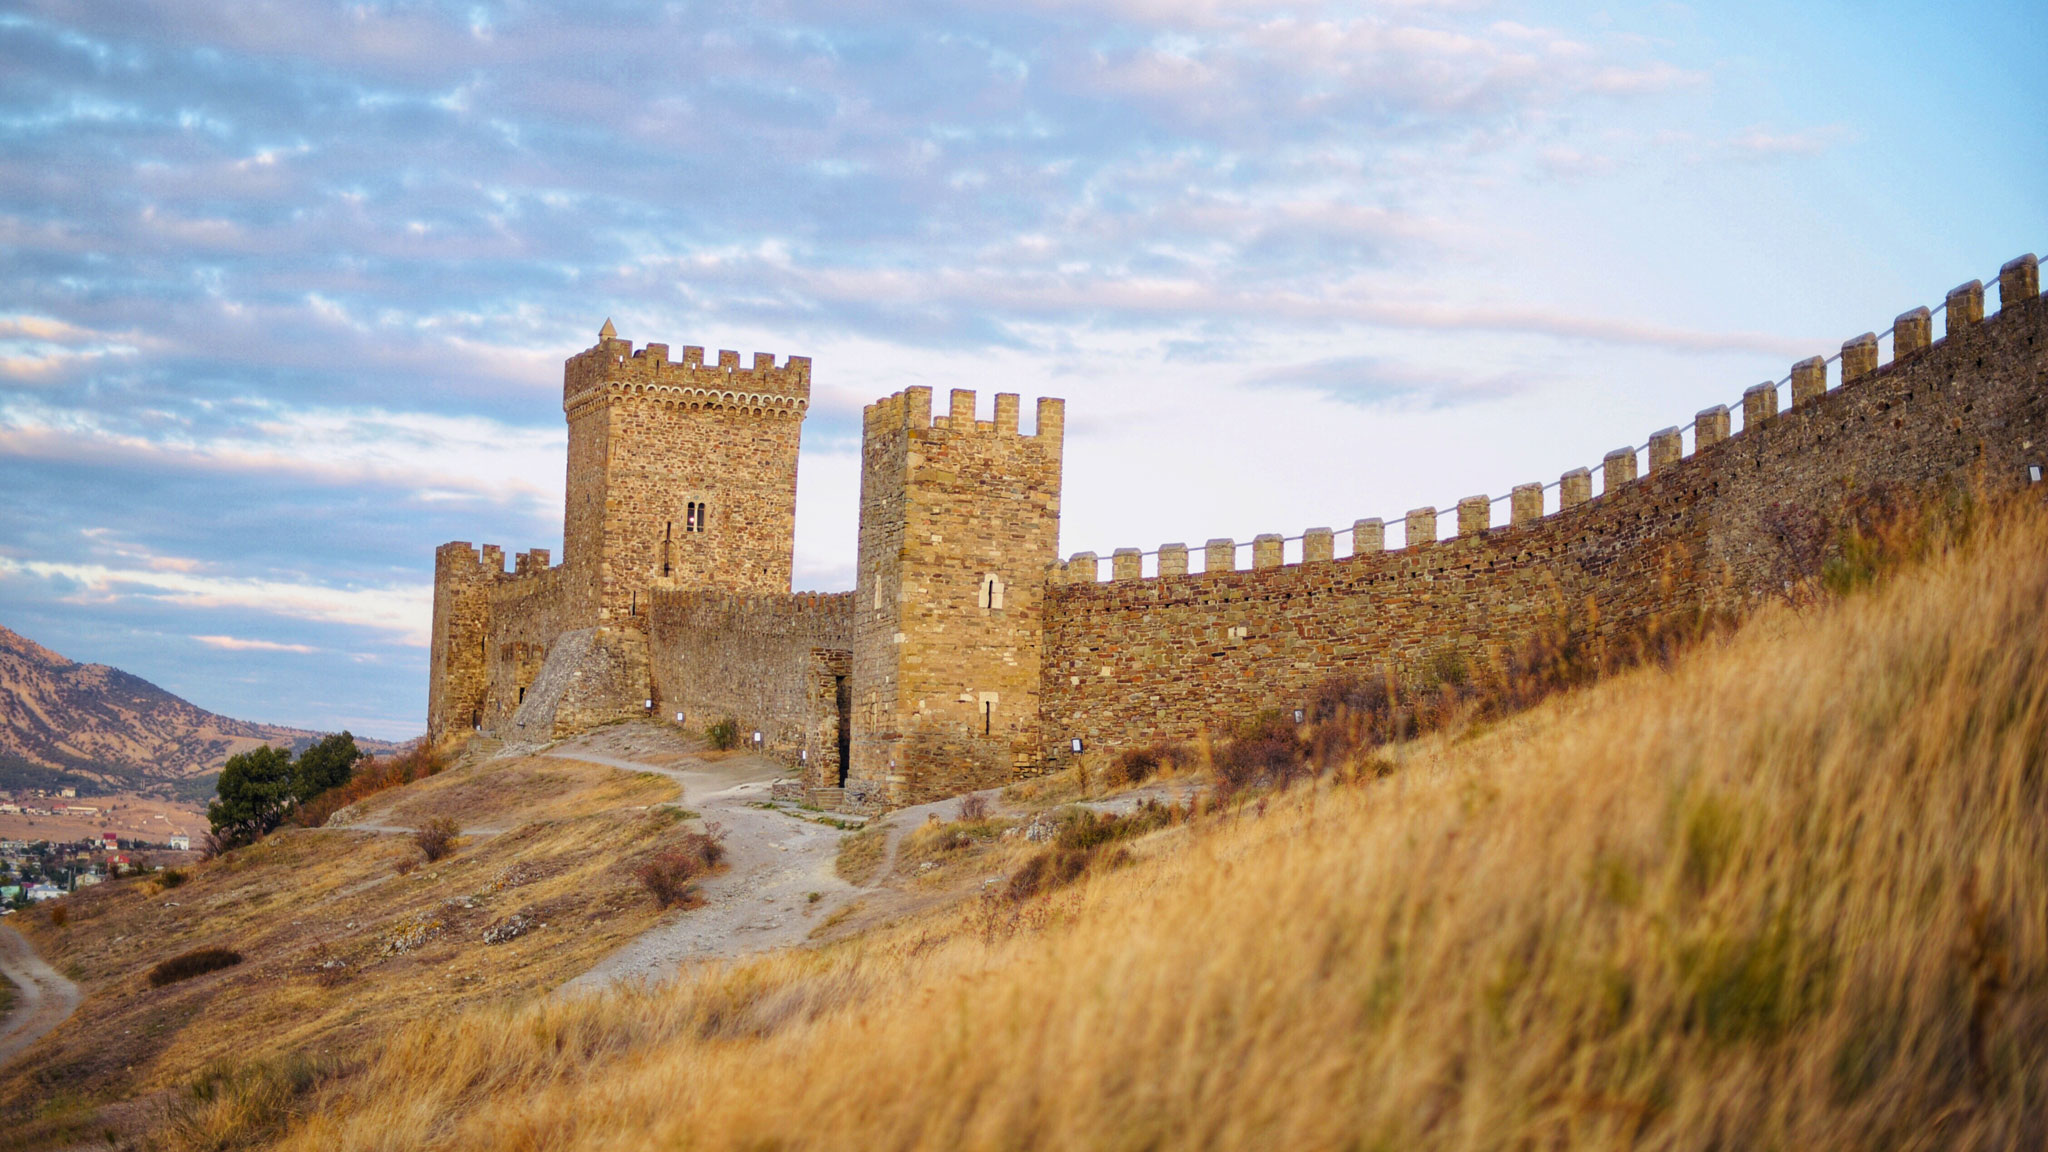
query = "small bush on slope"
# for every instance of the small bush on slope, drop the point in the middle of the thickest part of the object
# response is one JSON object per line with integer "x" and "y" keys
{"x": 1789, "y": 893}
{"x": 195, "y": 963}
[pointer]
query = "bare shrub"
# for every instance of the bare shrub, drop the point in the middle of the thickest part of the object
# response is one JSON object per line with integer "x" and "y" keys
{"x": 1268, "y": 751}
{"x": 973, "y": 808}
{"x": 1136, "y": 765}
{"x": 60, "y": 916}
{"x": 724, "y": 735}
{"x": 195, "y": 963}
{"x": 1088, "y": 840}
{"x": 671, "y": 875}
{"x": 436, "y": 837}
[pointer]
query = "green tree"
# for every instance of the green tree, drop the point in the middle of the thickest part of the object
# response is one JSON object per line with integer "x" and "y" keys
{"x": 254, "y": 789}
{"x": 325, "y": 765}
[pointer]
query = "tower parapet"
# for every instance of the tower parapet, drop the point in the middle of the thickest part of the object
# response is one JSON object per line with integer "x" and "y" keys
{"x": 613, "y": 366}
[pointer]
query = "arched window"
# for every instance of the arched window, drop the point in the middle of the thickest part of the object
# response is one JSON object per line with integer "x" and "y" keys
{"x": 990, "y": 595}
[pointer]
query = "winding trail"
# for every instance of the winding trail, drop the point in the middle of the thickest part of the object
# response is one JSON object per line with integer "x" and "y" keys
{"x": 43, "y": 998}
{"x": 775, "y": 862}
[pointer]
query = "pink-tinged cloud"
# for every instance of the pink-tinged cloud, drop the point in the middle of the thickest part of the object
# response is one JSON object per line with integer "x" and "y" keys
{"x": 237, "y": 644}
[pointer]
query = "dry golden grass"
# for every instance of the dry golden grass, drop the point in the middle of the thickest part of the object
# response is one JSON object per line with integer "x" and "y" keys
{"x": 1791, "y": 894}
{"x": 861, "y": 854}
{"x": 339, "y": 947}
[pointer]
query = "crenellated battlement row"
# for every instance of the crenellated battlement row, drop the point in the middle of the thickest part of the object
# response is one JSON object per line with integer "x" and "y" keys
{"x": 462, "y": 557}
{"x": 912, "y": 408}
{"x": 1527, "y": 504}
{"x": 613, "y": 366}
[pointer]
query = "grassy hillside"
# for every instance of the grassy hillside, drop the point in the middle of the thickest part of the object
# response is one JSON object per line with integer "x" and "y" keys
{"x": 345, "y": 936}
{"x": 1790, "y": 893}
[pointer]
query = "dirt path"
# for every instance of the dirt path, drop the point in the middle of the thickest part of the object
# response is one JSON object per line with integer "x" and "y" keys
{"x": 778, "y": 886}
{"x": 43, "y": 999}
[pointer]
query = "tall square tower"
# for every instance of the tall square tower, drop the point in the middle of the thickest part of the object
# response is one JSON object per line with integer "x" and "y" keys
{"x": 681, "y": 475}
{"x": 959, "y": 525}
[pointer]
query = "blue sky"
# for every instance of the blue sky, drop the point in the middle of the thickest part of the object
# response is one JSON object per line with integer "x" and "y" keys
{"x": 285, "y": 288}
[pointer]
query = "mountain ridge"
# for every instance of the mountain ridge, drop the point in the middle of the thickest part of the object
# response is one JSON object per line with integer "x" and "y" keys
{"x": 66, "y": 722}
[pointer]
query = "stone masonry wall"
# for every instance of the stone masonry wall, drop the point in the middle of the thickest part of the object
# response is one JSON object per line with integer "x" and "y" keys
{"x": 1136, "y": 659}
{"x": 959, "y": 526}
{"x": 753, "y": 658}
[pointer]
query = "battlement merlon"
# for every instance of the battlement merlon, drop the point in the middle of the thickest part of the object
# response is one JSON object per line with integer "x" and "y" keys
{"x": 912, "y": 409}
{"x": 612, "y": 363}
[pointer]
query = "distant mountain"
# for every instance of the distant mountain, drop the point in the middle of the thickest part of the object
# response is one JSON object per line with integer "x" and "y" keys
{"x": 66, "y": 723}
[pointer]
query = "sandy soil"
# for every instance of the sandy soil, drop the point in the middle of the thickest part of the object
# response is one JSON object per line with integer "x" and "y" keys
{"x": 42, "y": 1000}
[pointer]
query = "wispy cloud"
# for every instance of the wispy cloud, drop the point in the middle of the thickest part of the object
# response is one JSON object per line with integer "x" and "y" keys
{"x": 398, "y": 612}
{"x": 237, "y": 644}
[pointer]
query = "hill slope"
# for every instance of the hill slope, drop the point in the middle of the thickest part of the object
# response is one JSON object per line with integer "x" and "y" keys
{"x": 76, "y": 723}
{"x": 1790, "y": 893}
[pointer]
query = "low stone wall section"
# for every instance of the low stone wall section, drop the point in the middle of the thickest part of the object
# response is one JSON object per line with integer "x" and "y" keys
{"x": 758, "y": 659}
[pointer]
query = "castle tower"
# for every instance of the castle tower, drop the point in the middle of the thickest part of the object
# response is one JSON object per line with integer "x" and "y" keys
{"x": 458, "y": 675}
{"x": 959, "y": 525}
{"x": 681, "y": 475}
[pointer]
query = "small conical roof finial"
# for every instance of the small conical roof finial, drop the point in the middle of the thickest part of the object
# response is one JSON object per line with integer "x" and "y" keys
{"x": 607, "y": 332}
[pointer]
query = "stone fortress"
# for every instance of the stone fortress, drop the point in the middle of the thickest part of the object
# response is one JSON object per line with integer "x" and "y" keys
{"x": 968, "y": 655}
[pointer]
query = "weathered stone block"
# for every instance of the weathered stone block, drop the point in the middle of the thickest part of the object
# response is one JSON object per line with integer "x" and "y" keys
{"x": 1368, "y": 536}
{"x": 1666, "y": 449}
{"x": 1318, "y": 545}
{"x": 1616, "y": 469}
{"x": 1268, "y": 549}
{"x": 1525, "y": 505}
{"x": 1809, "y": 380}
{"x": 2018, "y": 281}
{"x": 1475, "y": 516}
{"x": 1420, "y": 527}
{"x": 1759, "y": 405}
{"x": 1859, "y": 356}
{"x": 1574, "y": 488}
{"x": 1173, "y": 559}
{"x": 1965, "y": 306}
{"x": 1709, "y": 426}
{"x": 1127, "y": 564}
{"x": 1219, "y": 555}
{"x": 1912, "y": 332}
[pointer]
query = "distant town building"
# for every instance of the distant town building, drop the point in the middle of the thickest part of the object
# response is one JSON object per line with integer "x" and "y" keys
{"x": 69, "y": 793}
{"x": 87, "y": 880}
{"x": 40, "y": 892}
{"x": 110, "y": 842}
{"x": 180, "y": 842}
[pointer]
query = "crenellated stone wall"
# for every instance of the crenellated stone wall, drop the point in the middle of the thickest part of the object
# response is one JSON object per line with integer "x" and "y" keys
{"x": 1141, "y": 658}
{"x": 968, "y": 655}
